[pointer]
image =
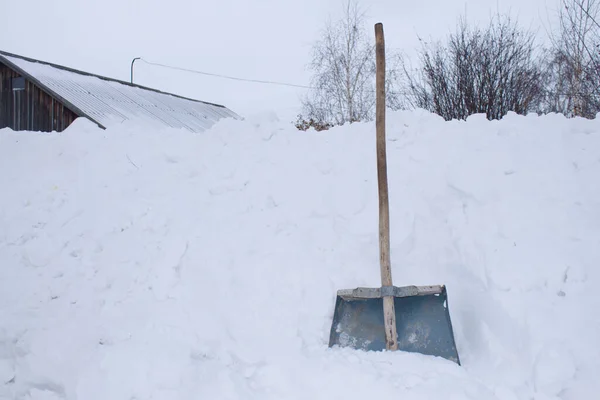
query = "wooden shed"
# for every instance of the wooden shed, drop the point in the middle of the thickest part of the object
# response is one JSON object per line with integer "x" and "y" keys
{"x": 40, "y": 96}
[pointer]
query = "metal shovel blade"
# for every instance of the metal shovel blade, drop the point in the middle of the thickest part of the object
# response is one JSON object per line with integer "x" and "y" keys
{"x": 422, "y": 320}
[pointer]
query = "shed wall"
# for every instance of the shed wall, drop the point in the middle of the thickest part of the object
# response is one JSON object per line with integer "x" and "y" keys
{"x": 30, "y": 108}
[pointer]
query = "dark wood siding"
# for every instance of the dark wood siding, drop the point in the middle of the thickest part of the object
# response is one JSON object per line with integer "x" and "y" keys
{"x": 30, "y": 109}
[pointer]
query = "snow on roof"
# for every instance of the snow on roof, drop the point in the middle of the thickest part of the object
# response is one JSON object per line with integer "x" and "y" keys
{"x": 108, "y": 101}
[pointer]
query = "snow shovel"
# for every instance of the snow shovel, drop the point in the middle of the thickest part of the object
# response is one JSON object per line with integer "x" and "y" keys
{"x": 409, "y": 318}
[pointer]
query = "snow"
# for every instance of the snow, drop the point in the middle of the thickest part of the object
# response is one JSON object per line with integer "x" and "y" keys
{"x": 162, "y": 264}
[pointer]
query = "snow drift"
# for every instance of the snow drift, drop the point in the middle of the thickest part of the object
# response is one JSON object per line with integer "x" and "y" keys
{"x": 140, "y": 264}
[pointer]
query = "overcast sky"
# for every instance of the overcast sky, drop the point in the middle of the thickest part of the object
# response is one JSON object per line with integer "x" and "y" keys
{"x": 260, "y": 39}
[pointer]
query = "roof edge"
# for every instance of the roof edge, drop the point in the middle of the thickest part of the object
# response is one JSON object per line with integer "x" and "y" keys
{"x": 5, "y": 53}
{"x": 33, "y": 79}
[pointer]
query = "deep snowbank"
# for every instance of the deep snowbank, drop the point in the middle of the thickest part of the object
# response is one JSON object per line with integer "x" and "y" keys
{"x": 137, "y": 264}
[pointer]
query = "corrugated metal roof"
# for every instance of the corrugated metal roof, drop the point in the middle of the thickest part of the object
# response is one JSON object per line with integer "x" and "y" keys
{"x": 108, "y": 101}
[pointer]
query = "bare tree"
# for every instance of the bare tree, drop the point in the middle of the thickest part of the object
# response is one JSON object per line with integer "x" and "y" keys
{"x": 574, "y": 63}
{"x": 343, "y": 61}
{"x": 491, "y": 71}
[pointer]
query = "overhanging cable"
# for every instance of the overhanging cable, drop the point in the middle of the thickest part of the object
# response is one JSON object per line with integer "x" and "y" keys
{"x": 226, "y": 76}
{"x": 244, "y": 79}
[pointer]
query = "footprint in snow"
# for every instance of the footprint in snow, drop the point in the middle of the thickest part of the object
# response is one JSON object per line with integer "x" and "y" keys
{"x": 171, "y": 159}
{"x": 44, "y": 391}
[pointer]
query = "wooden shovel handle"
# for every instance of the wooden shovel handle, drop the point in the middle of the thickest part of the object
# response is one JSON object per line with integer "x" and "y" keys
{"x": 384, "y": 212}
